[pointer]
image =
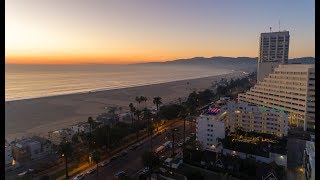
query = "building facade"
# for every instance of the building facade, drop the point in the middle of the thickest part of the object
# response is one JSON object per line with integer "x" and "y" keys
{"x": 290, "y": 88}
{"x": 250, "y": 117}
{"x": 212, "y": 123}
{"x": 309, "y": 160}
{"x": 208, "y": 129}
{"x": 8, "y": 155}
{"x": 56, "y": 137}
{"x": 273, "y": 51}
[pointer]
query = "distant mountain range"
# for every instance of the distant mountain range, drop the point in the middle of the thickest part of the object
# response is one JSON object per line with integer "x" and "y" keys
{"x": 236, "y": 63}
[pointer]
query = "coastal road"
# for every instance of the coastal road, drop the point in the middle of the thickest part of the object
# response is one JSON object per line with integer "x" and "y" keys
{"x": 132, "y": 162}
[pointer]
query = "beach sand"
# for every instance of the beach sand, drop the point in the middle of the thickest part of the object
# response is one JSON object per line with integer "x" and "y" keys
{"x": 40, "y": 115}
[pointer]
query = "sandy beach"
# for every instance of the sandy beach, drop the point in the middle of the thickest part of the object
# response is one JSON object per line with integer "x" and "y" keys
{"x": 40, "y": 115}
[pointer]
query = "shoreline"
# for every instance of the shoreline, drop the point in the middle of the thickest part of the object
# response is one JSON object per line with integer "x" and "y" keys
{"x": 38, "y": 116}
{"x": 107, "y": 89}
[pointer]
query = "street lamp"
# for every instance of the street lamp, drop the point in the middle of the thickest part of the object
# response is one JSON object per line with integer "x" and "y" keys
{"x": 90, "y": 159}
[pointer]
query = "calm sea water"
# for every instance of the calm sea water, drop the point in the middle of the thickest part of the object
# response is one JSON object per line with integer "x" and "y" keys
{"x": 30, "y": 81}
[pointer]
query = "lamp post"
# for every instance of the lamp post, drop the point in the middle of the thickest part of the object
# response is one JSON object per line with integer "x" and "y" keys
{"x": 90, "y": 159}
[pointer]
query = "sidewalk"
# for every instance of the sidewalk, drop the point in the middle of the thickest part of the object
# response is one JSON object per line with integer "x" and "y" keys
{"x": 86, "y": 166}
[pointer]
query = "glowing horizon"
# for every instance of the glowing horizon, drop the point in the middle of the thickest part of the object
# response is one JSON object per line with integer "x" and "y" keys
{"x": 113, "y": 32}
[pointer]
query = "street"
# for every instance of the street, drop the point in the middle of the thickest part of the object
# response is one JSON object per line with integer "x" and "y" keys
{"x": 295, "y": 171}
{"x": 132, "y": 162}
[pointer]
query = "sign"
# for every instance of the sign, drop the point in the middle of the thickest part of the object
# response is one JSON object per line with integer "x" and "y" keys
{"x": 271, "y": 176}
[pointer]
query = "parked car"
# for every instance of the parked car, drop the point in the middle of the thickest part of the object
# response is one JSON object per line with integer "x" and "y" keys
{"x": 146, "y": 170}
{"x": 79, "y": 177}
{"x": 123, "y": 153}
{"x": 91, "y": 171}
{"x": 113, "y": 158}
{"x": 119, "y": 174}
{"x": 162, "y": 158}
{"x": 104, "y": 163}
{"x": 29, "y": 171}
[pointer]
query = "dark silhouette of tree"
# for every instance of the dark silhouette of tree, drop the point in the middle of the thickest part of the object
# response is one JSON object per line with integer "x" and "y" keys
{"x": 157, "y": 101}
{"x": 138, "y": 99}
{"x": 96, "y": 157}
{"x": 91, "y": 122}
{"x": 65, "y": 150}
{"x": 132, "y": 111}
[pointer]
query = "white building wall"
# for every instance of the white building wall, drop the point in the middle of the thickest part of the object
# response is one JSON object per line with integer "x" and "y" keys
{"x": 279, "y": 159}
{"x": 290, "y": 87}
{"x": 208, "y": 130}
{"x": 8, "y": 155}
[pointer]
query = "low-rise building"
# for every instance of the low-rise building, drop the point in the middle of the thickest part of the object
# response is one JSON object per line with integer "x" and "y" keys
{"x": 30, "y": 149}
{"x": 8, "y": 155}
{"x": 309, "y": 160}
{"x": 82, "y": 127}
{"x": 107, "y": 118}
{"x": 56, "y": 137}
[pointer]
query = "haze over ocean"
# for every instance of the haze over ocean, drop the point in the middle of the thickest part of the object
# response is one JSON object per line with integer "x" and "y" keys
{"x": 30, "y": 81}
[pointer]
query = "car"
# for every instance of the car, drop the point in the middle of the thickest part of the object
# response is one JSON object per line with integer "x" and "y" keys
{"x": 79, "y": 177}
{"x": 29, "y": 171}
{"x": 91, "y": 171}
{"x": 163, "y": 158}
{"x": 187, "y": 138}
{"x": 113, "y": 158}
{"x": 23, "y": 173}
{"x": 124, "y": 153}
{"x": 104, "y": 163}
{"x": 146, "y": 170}
{"x": 120, "y": 174}
{"x": 192, "y": 134}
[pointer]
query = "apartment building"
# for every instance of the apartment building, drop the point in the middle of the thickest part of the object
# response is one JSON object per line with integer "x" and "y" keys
{"x": 222, "y": 115}
{"x": 208, "y": 129}
{"x": 309, "y": 160}
{"x": 250, "y": 117}
{"x": 273, "y": 51}
{"x": 291, "y": 88}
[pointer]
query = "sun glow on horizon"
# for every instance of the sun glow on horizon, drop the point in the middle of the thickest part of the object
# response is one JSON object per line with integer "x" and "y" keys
{"x": 47, "y": 32}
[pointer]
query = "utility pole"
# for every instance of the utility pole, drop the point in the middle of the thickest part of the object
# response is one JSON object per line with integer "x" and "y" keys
{"x": 173, "y": 133}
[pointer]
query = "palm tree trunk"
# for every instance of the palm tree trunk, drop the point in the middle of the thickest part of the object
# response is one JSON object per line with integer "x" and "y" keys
{"x": 109, "y": 129}
{"x": 66, "y": 163}
{"x": 184, "y": 131}
{"x": 97, "y": 172}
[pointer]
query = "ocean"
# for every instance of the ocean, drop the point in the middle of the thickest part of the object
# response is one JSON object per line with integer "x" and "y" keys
{"x": 32, "y": 81}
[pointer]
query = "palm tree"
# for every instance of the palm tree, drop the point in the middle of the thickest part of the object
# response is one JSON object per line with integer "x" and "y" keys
{"x": 96, "y": 158}
{"x": 91, "y": 122}
{"x": 132, "y": 110}
{"x": 138, "y": 99}
{"x": 142, "y": 98}
{"x": 183, "y": 115}
{"x": 65, "y": 150}
{"x": 157, "y": 101}
{"x": 138, "y": 114}
{"x": 108, "y": 129}
{"x": 145, "y": 101}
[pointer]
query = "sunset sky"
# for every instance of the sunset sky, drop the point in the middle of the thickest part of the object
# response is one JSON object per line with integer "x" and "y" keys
{"x": 129, "y": 31}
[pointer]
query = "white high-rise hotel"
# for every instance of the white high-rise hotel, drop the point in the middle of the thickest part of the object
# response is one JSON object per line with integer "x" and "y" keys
{"x": 290, "y": 87}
